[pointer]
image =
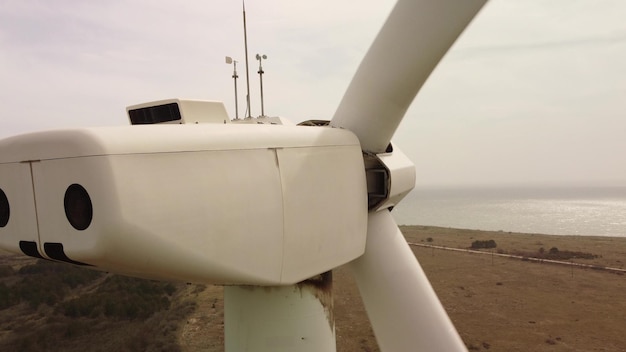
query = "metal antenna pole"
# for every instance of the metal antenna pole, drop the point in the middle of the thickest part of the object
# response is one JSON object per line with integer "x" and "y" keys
{"x": 245, "y": 42}
{"x": 235, "y": 79}
{"x": 229, "y": 60}
{"x": 261, "y": 72}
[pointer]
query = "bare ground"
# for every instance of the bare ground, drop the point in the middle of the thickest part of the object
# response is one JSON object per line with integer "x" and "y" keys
{"x": 497, "y": 304}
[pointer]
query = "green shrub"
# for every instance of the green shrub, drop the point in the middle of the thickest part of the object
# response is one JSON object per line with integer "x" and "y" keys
{"x": 483, "y": 244}
{"x": 46, "y": 282}
{"x": 7, "y": 298}
{"x": 6, "y": 270}
{"x": 123, "y": 298}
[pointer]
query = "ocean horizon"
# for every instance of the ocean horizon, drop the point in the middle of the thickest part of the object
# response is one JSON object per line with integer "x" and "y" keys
{"x": 583, "y": 211}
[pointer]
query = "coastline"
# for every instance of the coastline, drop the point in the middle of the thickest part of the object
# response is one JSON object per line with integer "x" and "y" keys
{"x": 585, "y": 211}
{"x": 610, "y": 250}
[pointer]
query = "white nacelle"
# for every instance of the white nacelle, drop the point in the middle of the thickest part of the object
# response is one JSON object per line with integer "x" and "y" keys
{"x": 212, "y": 203}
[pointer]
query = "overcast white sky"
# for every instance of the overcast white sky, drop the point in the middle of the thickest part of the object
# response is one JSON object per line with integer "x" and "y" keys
{"x": 533, "y": 92}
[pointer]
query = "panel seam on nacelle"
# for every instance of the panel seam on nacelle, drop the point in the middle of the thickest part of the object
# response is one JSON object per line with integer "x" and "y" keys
{"x": 32, "y": 182}
{"x": 282, "y": 206}
{"x": 181, "y": 151}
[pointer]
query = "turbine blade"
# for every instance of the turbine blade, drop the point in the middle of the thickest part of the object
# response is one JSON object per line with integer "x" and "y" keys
{"x": 404, "y": 310}
{"x": 412, "y": 41}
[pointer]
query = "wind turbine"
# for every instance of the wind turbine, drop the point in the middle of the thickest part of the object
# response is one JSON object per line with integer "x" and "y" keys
{"x": 266, "y": 208}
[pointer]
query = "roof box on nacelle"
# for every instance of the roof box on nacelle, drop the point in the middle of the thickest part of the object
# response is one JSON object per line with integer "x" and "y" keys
{"x": 177, "y": 111}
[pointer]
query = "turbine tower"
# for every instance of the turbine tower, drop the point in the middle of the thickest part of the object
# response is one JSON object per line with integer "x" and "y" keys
{"x": 170, "y": 198}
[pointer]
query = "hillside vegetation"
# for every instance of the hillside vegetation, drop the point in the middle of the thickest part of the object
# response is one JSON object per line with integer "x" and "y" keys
{"x": 47, "y": 306}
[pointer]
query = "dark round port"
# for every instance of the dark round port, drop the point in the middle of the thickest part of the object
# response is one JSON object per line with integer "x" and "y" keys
{"x": 78, "y": 208}
{"x": 5, "y": 211}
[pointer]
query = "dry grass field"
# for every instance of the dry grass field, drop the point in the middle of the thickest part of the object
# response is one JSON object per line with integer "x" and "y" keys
{"x": 496, "y": 303}
{"x": 503, "y": 304}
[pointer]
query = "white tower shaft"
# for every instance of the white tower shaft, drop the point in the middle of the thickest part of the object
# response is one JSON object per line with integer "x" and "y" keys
{"x": 280, "y": 318}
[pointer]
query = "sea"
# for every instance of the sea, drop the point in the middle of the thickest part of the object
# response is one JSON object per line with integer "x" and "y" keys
{"x": 585, "y": 211}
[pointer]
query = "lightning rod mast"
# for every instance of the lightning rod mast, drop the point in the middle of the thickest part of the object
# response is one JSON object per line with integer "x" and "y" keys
{"x": 245, "y": 42}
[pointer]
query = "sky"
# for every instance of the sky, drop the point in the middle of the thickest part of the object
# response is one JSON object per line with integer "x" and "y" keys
{"x": 534, "y": 92}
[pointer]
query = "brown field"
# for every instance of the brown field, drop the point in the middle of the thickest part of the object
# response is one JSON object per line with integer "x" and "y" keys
{"x": 503, "y": 304}
{"x": 515, "y": 305}
{"x": 496, "y": 303}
